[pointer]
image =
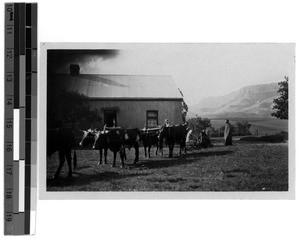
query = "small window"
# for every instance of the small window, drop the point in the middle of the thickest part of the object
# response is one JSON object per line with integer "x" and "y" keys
{"x": 152, "y": 118}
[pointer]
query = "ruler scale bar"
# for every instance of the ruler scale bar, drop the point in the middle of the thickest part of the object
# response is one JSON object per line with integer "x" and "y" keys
{"x": 16, "y": 54}
{"x": 8, "y": 129}
{"x": 21, "y": 185}
{"x": 22, "y": 78}
{"x": 27, "y": 120}
{"x": 8, "y": 133}
{"x": 15, "y": 187}
{"x": 20, "y": 118}
{"x": 33, "y": 129}
{"x": 17, "y": 229}
{"x": 16, "y": 127}
{"x": 22, "y": 22}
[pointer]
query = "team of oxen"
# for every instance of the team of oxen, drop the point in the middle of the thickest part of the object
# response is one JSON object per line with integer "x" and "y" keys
{"x": 115, "y": 139}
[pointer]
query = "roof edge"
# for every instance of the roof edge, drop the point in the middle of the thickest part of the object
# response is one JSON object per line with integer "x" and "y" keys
{"x": 103, "y": 74}
{"x": 134, "y": 99}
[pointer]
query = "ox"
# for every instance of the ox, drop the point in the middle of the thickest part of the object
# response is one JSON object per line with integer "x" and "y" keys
{"x": 101, "y": 141}
{"x": 175, "y": 134}
{"x": 111, "y": 140}
{"x": 90, "y": 137}
{"x": 130, "y": 138}
{"x": 61, "y": 140}
{"x": 149, "y": 138}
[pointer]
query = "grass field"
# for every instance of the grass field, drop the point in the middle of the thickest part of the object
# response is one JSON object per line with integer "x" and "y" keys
{"x": 244, "y": 166}
{"x": 264, "y": 126}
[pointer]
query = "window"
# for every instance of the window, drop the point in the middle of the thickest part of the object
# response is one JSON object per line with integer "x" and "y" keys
{"x": 152, "y": 118}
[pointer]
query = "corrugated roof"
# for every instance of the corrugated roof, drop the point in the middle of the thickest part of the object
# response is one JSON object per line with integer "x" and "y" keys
{"x": 118, "y": 86}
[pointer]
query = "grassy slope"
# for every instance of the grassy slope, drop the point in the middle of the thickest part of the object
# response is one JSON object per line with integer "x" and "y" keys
{"x": 242, "y": 167}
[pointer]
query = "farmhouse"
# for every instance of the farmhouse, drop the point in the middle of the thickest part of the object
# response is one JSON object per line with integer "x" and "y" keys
{"x": 128, "y": 101}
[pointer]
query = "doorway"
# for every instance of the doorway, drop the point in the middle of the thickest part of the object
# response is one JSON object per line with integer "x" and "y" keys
{"x": 110, "y": 118}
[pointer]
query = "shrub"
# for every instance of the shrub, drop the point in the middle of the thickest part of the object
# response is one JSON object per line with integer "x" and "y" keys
{"x": 242, "y": 128}
{"x": 198, "y": 124}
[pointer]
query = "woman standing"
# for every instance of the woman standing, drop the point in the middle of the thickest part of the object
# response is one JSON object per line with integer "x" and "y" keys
{"x": 228, "y": 133}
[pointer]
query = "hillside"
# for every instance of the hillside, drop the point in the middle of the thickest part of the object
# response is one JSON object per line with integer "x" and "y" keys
{"x": 250, "y": 101}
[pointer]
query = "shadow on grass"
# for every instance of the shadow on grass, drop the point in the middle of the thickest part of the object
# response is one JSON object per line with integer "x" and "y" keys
{"x": 278, "y": 138}
{"x": 81, "y": 179}
{"x": 182, "y": 160}
{"x": 209, "y": 153}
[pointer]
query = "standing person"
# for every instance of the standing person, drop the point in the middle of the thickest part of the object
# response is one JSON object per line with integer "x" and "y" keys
{"x": 204, "y": 141}
{"x": 167, "y": 123}
{"x": 228, "y": 133}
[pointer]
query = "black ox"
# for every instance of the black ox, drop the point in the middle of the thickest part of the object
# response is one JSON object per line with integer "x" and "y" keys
{"x": 149, "y": 138}
{"x": 175, "y": 134}
{"x": 61, "y": 140}
{"x": 131, "y": 139}
{"x": 112, "y": 138}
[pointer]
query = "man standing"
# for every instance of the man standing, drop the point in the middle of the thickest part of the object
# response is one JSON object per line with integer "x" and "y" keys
{"x": 167, "y": 123}
{"x": 228, "y": 133}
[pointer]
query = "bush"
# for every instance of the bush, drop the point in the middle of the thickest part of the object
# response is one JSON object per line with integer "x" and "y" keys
{"x": 242, "y": 128}
{"x": 68, "y": 108}
{"x": 198, "y": 124}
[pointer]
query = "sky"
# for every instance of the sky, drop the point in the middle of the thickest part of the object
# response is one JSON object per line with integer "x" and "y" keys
{"x": 198, "y": 70}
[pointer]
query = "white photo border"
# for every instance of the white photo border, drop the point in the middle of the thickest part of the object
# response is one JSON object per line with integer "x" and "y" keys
{"x": 63, "y": 195}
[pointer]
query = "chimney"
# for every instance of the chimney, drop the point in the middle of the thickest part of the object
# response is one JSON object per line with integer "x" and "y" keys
{"x": 74, "y": 70}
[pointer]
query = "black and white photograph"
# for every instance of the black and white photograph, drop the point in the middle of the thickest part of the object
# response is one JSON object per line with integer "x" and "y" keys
{"x": 168, "y": 117}
{"x": 150, "y": 119}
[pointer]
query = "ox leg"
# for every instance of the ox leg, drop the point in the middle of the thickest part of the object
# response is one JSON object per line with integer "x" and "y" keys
{"x": 124, "y": 153}
{"x": 69, "y": 161}
{"x": 100, "y": 153}
{"x": 61, "y": 163}
{"x": 183, "y": 146}
{"x": 114, "y": 162}
{"x": 137, "y": 153}
{"x": 161, "y": 149}
{"x": 122, "y": 157}
{"x": 105, "y": 156}
{"x": 136, "y": 147}
{"x": 171, "y": 151}
{"x": 149, "y": 150}
{"x": 156, "y": 149}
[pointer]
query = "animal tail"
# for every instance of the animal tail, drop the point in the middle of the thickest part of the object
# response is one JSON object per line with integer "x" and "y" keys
{"x": 75, "y": 159}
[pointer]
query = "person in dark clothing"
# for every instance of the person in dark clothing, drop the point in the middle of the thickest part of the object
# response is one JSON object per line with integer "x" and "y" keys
{"x": 228, "y": 133}
{"x": 204, "y": 140}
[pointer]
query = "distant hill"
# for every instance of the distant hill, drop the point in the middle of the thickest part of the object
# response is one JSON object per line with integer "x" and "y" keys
{"x": 255, "y": 101}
